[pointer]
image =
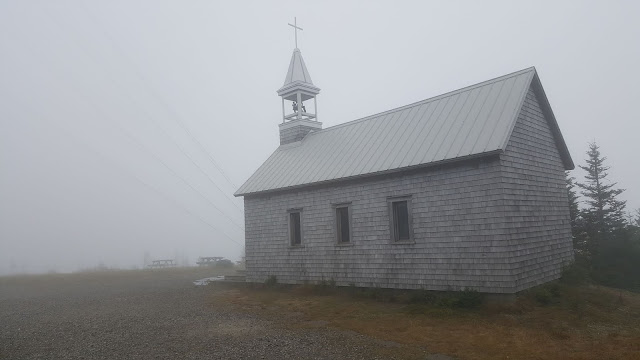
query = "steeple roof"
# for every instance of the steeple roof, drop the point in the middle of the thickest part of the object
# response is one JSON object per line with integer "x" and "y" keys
{"x": 298, "y": 80}
{"x": 297, "y": 70}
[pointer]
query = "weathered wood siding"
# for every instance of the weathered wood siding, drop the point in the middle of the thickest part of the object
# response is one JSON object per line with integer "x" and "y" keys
{"x": 536, "y": 203}
{"x": 460, "y": 239}
{"x": 296, "y": 130}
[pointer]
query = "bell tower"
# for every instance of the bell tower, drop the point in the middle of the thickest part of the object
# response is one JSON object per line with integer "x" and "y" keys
{"x": 298, "y": 89}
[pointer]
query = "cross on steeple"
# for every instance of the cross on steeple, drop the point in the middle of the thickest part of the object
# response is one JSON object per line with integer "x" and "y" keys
{"x": 296, "y": 28}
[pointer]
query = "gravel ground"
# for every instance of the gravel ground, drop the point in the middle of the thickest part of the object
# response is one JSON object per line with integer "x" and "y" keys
{"x": 151, "y": 315}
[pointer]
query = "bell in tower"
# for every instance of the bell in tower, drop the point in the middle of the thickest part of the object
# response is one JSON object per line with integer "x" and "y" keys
{"x": 297, "y": 90}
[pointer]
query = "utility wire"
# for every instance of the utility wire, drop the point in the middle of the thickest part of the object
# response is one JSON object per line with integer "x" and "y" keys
{"x": 169, "y": 109}
{"x": 144, "y": 148}
{"x": 152, "y": 119}
{"x": 173, "y": 201}
{"x": 145, "y": 184}
{"x": 141, "y": 146}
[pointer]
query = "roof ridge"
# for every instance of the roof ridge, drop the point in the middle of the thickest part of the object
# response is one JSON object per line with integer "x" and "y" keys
{"x": 422, "y": 102}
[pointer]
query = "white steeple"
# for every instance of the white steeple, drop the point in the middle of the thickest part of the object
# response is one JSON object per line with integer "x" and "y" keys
{"x": 297, "y": 70}
{"x": 297, "y": 89}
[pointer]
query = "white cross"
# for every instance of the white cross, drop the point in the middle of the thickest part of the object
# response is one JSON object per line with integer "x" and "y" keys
{"x": 296, "y": 28}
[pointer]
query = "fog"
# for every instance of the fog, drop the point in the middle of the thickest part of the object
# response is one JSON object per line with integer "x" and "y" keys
{"x": 126, "y": 126}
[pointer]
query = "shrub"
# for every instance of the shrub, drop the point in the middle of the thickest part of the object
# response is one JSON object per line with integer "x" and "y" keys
{"x": 468, "y": 299}
{"x": 543, "y": 296}
{"x": 374, "y": 293}
{"x": 546, "y": 294}
{"x": 575, "y": 274}
{"x": 325, "y": 287}
{"x": 224, "y": 263}
{"x": 422, "y": 297}
{"x": 272, "y": 280}
{"x": 327, "y": 283}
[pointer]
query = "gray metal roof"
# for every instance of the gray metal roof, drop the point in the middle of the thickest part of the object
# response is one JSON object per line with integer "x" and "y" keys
{"x": 297, "y": 70}
{"x": 473, "y": 121}
{"x": 298, "y": 79}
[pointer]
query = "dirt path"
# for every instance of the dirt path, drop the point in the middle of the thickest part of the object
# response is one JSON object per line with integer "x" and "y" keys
{"x": 151, "y": 315}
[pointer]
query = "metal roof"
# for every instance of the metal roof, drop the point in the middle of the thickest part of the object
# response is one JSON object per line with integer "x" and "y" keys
{"x": 298, "y": 80}
{"x": 297, "y": 70}
{"x": 473, "y": 121}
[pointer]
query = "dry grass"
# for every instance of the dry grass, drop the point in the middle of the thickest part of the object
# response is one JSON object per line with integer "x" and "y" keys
{"x": 583, "y": 322}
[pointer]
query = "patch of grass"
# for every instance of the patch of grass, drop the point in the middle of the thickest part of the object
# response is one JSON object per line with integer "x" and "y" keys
{"x": 543, "y": 295}
{"x": 575, "y": 274}
{"x": 553, "y": 321}
{"x": 466, "y": 299}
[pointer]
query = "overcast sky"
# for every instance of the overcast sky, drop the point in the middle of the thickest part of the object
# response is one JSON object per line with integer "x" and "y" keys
{"x": 126, "y": 126}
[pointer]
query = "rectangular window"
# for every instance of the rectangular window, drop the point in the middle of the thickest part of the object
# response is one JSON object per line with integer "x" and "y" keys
{"x": 400, "y": 220}
{"x": 295, "y": 228}
{"x": 342, "y": 223}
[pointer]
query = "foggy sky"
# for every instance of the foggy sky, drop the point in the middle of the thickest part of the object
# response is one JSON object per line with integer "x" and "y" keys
{"x": 106, "y": 107}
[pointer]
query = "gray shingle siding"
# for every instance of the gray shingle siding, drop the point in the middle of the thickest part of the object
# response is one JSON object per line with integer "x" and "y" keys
{"x": 460, "y": 238}
{"x": 536, "y": 200}
{"x": 295, "y": 133}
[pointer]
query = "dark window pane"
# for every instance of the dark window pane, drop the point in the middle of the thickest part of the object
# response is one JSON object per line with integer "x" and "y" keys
{"x": 342, "y": 217}
{"x": 401, "y": 220}
{"x": 294, "y": 230}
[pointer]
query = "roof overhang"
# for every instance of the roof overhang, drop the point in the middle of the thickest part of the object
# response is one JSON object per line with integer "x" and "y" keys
{"x": 553, "y": 123}
{"x": 290, "y": 91}
{"x": 375, "y": 174}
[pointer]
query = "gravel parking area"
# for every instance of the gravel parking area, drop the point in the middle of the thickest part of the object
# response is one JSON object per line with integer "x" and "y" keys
{"x": 151, "y": 315}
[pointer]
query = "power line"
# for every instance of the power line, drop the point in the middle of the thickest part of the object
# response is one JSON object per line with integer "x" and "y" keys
{"x": 125, "y": 171}
{"x": 144, "y": 148}
{"x": 122, "y": 169}
{"x": 140, "y": 145}
{"x": 159, "y": 98}
{"x": 152, "y": 119}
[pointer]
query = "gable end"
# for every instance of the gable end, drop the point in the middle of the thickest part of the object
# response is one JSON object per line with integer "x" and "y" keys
{"x": 545, "y": 107}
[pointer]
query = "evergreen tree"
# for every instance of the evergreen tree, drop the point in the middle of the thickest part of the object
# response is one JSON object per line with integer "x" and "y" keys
{"x": 604, "y": 212}
{"x": 579, "y": 243}
{"x": 612, "y": 250}
{"x": 574, "y": 211}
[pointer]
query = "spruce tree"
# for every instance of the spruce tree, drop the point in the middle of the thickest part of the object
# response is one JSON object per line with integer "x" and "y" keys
{"x": 574, "y": 210}
{"x": 579, "y": 243}
{"x": 604, "y": 212}
{"x": 612, "y": 244}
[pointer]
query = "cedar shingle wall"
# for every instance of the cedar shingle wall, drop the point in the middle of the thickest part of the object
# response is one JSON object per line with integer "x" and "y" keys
{"x": 535, "y": 200}
{"x": 460, "y": 239}
{"x": 295, "y": 133}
